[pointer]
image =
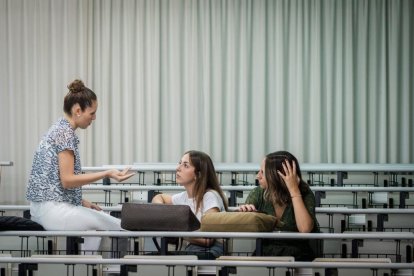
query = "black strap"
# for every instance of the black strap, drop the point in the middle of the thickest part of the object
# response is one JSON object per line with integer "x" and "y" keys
{"x": 175, "y": 241}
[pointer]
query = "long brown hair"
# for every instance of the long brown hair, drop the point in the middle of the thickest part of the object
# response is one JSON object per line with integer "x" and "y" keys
{"x": 206, "y": 177}
{"x": 277, "y": 192}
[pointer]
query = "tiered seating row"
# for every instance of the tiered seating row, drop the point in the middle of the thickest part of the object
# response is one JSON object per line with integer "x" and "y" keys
{"x": 225, "y": 262}
{"x": 217, "y": 263}
{"x": 244, "y": 184}
{"x": 354, "y": 178}
{"x": 355, "y": 237}
{"x": 315, "y": 171}
{"x": 349, "y": 216}
{"x": 320, "y": 192}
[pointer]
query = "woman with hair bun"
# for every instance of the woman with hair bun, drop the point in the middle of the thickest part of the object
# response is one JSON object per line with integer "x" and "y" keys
{"x": 54, "y": 187}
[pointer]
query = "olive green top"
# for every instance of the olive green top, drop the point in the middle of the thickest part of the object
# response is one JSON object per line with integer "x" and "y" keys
{"x": 300, "y": 249}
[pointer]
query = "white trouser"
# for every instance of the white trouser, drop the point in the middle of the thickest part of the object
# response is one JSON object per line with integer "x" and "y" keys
{"x": 65, "y": 216}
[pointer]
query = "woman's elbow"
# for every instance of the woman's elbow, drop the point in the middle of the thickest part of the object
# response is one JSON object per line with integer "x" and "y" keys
{"x": 158, "y": 199}
{"x": 66, "y": 183}
{"x": 306, "y": 228}
{"x": 209, "y": 242}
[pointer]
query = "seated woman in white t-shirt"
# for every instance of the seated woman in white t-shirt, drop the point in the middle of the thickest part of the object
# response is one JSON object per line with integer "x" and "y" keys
{"x": 196, "y": 173}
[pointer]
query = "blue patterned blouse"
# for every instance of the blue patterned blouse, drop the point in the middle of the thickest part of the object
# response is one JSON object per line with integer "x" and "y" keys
{"x": 44, "y": 181}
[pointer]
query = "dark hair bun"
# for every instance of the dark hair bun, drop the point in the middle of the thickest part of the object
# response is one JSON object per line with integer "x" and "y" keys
{"x": 76, "y": 86}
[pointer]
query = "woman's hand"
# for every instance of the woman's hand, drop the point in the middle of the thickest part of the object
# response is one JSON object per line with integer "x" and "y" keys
{"x": 162, "y": 199}
{"x": 291, "y": 178}
{"x": 71, "y": 180}
{"x": 120, "y": 175}
{"x": 88, "y": 204}
{"x": 247, "y": 208}
{"x": 304, "y": 221}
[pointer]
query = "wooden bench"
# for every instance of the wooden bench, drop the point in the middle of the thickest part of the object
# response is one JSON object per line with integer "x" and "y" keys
{"x": 399, "y": 268}
{"x": 226, "y": 270}
{"x": 151, "y": 270}
{"x": 29, "y": 267}
{"x": 334, "y": 271}
{"x": 6, "y": 269}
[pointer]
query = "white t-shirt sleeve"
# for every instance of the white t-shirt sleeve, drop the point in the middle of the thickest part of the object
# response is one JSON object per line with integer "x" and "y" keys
{"x": 180, "y": 199}
{"x": 212, "y": 199}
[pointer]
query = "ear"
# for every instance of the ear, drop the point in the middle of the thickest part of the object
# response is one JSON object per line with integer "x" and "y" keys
{"x": 197, "y": 175}
{"x": 76, "y": 110}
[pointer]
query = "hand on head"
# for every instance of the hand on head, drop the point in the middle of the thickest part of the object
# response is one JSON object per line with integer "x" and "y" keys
{"x": 290, "y": 177}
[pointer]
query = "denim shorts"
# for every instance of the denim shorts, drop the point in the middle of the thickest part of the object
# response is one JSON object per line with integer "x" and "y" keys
{"x": 212, "y": 252}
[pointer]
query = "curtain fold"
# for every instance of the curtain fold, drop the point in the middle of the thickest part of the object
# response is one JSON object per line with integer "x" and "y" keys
{"x": 328, "y": 80}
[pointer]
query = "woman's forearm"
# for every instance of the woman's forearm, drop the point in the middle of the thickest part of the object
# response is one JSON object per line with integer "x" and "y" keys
{"x": 71, "y": 181}
{"x": 304, "y": 221}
